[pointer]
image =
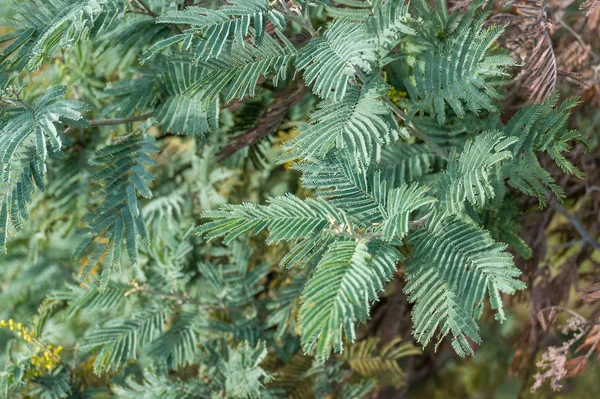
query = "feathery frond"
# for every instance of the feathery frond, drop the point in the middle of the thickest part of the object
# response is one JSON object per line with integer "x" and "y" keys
{"x": 329, "y": 61}
{"x": 118, "y": 340}
{"x": 354, "y": 273}
{"x": 27, "y": 138}
{"x": 459, "y": 71}
{"x": 230, "y": 23}
{"x": 287, "y": 218}
{"x": 236, "y": 75}
{"x": 540, "y": 127}
{"x": 468, "y": 177}
{"x": 358, "y": 123}
{"x": 117, "y": 216}
{"x": 44, "y": 27}
{"x": 454, "y": 266}
{"x": 181, "y": 113}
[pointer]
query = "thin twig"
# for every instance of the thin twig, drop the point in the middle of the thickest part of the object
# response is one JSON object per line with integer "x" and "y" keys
{"x": 577, "y": 36}
{"x": 585, "y": 235}
{"x": 119, "y": 121}
{"x": 111, "y": 122}
{"x": 180, "y": 299}
{"x": 148, "y": 10}
{"x": 564, "y": 309}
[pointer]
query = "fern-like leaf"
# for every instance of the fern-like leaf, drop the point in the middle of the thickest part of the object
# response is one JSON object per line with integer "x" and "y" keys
{"x": 118, "y": 340}
{"x": 359, "y": 123}
{"x": 347, "y": 280}
{"x": 287, "y": 218}
{"x": 329, "y": 61}
{"x": 467, "y": 178}
{"x": 181, "y": 113}
{"x": 459, "y": 71}
{"x": 29, "y": 135}
{"x": 117, "y": 216}
{"x": 540, "y": 127}
{"x": 235, "y": 75}
{"x": 453, "y": 267}
{"x": 230, "y": 23}
{"x": 44, "y": 27}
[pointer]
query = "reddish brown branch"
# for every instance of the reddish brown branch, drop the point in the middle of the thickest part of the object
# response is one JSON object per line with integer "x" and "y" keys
{"x": 268, "y": 123}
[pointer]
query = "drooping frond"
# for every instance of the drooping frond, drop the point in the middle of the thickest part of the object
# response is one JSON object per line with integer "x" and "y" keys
{"x": 117, "y": 216}
{"x": 329, "y": 61}
{"x": 454, "y": 266}
{"x": 368, "y": 360}
{"x": 438, "y": 307}
{"x": 29, "y": 135}
{"x": 178, "y": 345}
{"x": 347, "y": 280}
{"x": 230, "y": 23}
{"x": 118, "y": 340}
{"x": 540, "y": 127}
{"x": 358, "y": 123}
{"x": 460, "y": 71}
{"x": 467, "y": 177}
{"x": 44, "y": 27}
{"x": 287, "y": 218}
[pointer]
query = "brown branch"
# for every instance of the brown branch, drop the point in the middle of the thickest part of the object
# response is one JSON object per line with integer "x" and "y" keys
{"x": 267, "y": 123}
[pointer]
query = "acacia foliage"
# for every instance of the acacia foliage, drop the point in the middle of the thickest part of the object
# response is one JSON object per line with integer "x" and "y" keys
{"x": 113, "y": 147}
